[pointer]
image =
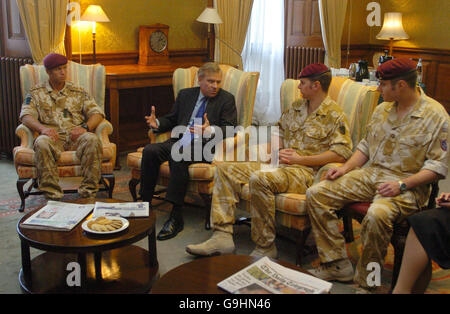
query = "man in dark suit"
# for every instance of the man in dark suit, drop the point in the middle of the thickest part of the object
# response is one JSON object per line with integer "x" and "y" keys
{"x": 214, "y": 108}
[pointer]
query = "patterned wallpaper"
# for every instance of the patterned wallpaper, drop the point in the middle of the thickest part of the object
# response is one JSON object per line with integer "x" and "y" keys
{"x": 122, "y": 33}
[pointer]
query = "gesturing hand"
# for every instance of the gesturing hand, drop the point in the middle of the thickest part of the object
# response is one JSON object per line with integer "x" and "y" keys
{"x": 205, "y": 128}
{"x": 151, "y": 120}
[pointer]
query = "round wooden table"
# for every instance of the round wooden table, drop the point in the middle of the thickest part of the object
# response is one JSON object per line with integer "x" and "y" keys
{"x": 107, "y": 263}
{"x": 202, "y": 275}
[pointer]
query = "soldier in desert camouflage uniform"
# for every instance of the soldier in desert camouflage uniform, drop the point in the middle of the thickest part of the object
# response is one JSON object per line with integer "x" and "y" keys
{"x": 313, "y": 132}
{"x": 405, "y": 149}
{"x": 63, "y": 115}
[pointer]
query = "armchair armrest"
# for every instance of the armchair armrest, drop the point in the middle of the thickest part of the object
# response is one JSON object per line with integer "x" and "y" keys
{"x": 26, "y": 136}
{"x": 103, "y": 130}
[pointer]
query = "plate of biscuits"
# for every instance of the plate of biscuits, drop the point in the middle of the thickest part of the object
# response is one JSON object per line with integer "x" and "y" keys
{"x": 105, "y": 225}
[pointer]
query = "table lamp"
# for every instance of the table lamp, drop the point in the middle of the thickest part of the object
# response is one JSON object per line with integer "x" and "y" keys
{"x": 94, "y": 13}
{"x": 210, "y": 16}
{"x": 392, "y": 29}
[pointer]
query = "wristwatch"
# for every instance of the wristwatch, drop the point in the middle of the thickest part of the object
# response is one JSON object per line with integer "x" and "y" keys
{"x": 85, "y": 126}
{"x": 402, "y": 185}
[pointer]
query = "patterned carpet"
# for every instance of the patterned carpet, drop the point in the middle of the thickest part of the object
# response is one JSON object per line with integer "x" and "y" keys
{"x": 440, "y": 283}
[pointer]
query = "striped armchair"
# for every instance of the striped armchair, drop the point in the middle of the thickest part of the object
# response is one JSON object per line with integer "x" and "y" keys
{"x": 358, "y": 102}
{"x": 243, "y": 86}
{"x": 92, "y": 79}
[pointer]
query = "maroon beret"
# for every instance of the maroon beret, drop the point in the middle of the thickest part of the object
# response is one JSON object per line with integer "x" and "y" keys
{"x": 314, "y": 69}
{"x": 53, "y": 60}
{"x": 394, "y": 68}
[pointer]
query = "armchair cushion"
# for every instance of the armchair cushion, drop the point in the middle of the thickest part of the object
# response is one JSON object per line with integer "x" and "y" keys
{"x": 30, "y": 172}
{"x": 197, "y": 171}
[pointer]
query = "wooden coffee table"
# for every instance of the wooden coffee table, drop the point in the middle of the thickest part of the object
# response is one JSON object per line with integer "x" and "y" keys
{"x": 202, "y": 275}
{"x": 107, "y": 263}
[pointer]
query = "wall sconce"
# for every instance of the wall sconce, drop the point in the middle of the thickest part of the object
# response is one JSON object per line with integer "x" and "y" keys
{"x": 94, "y": 13}
{"x": 392, "y": 29}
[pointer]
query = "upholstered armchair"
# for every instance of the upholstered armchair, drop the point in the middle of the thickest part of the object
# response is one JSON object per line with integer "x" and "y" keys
{"x": 92, "y": 79}
{"x": 358, "y": 102}
{"x": 243, "y": 86}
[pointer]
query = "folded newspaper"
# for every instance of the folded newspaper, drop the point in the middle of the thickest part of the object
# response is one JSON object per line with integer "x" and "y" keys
{"x": 137, "y": 209}
{"x": 267, "y": 277}
{"x": 58, "y": 216}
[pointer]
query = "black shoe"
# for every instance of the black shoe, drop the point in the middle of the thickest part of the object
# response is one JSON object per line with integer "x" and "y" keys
{"x": 171, "y": 228}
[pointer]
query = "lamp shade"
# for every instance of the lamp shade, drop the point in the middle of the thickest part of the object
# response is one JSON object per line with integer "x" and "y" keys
{"x": 210, "y": 15}
{"x": 94, "y": 13}
{"x": 392, "y": 27}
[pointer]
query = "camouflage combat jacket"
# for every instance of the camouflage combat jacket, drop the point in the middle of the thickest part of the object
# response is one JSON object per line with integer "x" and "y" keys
{"x": 406, "y": 146}
{"x": 325, "y": 129}
{"x": 61, "y": 110}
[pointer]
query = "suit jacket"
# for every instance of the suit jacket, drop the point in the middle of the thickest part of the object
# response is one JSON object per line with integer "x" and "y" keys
{"x": 221, "y": 110}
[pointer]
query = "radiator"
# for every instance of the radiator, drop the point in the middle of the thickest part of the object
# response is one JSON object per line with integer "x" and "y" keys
{"x": 10, "y": 101}
{"x": 296, "y": 58}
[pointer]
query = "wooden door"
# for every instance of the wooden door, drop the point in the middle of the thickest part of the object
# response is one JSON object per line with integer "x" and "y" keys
{"x": 12, "y": 34}
{"x": 302, "y": 23}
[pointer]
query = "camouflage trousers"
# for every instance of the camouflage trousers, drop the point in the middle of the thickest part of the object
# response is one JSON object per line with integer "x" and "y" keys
{"x": 88, "y": 149}
{"x": 325, "y": 198}
{"x": 230, "y": 178}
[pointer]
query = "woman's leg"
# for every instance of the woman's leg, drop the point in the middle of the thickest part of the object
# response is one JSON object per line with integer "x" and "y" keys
{"x": 415, "y": 272}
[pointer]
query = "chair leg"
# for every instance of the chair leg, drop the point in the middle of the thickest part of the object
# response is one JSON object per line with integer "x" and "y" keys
{"x": 300, "y": 245}
{"x": 132, "y": 187}
{"x": 111, "y": 182}
{"x": 348, "y": 228}
{"x": 207, "y": 200}
{"x": 20, "y": 183}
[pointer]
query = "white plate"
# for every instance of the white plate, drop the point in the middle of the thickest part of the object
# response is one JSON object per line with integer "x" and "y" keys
{"x": 125, "y": 225}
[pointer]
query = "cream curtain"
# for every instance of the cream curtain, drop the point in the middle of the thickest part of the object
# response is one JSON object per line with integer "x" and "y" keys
{"x": 45, "y": 24}
{"x": 236, "y": 16}
{"x": 332, "y": 18}
{"x": 264, "y": 53}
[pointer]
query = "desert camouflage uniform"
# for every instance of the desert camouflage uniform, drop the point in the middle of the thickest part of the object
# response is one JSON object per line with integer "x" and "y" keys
{"x": 323, "y": 130}
{"x": 396, "y": 150}
{"x": 63, "y": 110}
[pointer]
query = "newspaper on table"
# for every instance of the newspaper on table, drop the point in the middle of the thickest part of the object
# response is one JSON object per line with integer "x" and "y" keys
{"x": 58, "y": 216}
{"x": 267, "y": 277}
{"x": 137, "y": 209}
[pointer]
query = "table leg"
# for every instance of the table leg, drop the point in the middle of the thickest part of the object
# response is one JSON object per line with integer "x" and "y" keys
{"x": 26, "y": 263}
{"x": 114, "y": 112}
{"x": 98, "y": 265}
{"x": 152, "y": 249}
